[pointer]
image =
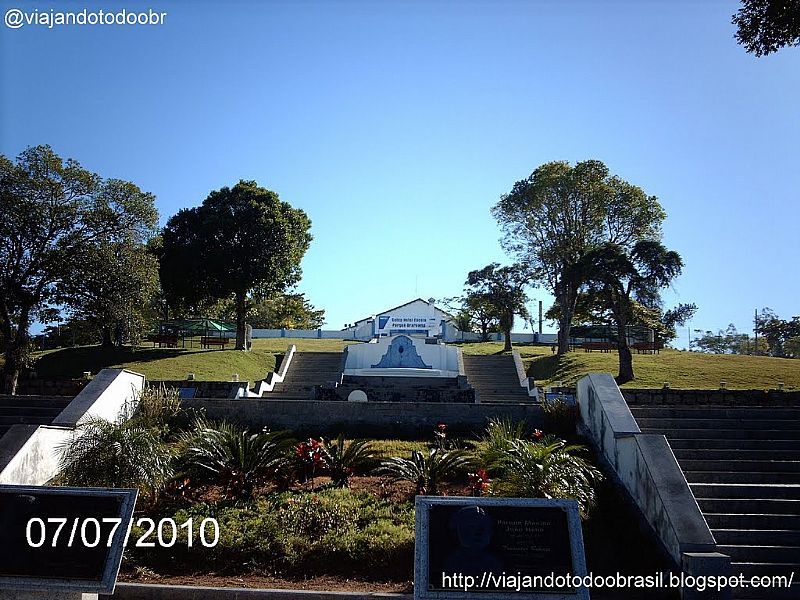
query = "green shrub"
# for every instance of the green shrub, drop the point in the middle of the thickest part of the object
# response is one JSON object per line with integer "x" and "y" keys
{"x": 125, "y": 454}
{"x": 560, "y": 416}
{"x": 548, "y": 468}
{"x": 233, "y": 457}
{"x": 157, "y": 406}
{"x": 426, "y": 471}
{"x": 331, "y": 532}
{"x": 343, "y": 459}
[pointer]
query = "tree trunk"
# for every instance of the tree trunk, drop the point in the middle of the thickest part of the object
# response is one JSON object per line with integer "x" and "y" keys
{"x": 10, "y": 373}
{"x": 15, "y": 350}
{"x": 107, "y": 341}
{"x": 507, "y": 334}
{"x": 241, "y": 310}
{"x": 566, "y": 302}
{"x": 625, "y": 357}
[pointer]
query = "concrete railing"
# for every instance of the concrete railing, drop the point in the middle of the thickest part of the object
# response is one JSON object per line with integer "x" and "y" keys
{"x": 30, "y": 454}
{"x": 644, "y": 465}
{"x": 412, "y": 420}
{"x": 527, "y": 382}
{"x": 274, "y": 378}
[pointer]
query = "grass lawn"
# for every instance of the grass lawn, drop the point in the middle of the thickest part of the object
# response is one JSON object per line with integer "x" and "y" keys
{"x": 175, "y": 363}
{"x": 683, "y": 370}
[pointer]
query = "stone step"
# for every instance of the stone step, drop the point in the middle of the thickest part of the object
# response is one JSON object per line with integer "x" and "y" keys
{"x": 733, "y": 490}
{"x": 751, "y": 568}
{"x": 734, "y": 454}
{"x": 749, "y": 505}
{"x": 762, "y": 554}
{"x": 717, "y": 412}
{"x": 752, "y": 520}
{"x": 757, "y": 537}
{"x": 741, "y": 477}
{"x": 732, "y": 444}
{"x": 743, "y": 424}
{"x": 727, "y": 434}
{"x": 771, "y": 466}
{"x": 15, "y": 411}
{"x": 26, "y": 420}
{"x": 34, "y": 402}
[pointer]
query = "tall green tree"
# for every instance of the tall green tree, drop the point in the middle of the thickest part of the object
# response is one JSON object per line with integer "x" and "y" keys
{"x": 626, "y": 284}
{"x": 292, "y": 311}
{"x": 673, "y": 318}
{"x": 766, "y": 26}
{"x": 53, "y": 215}
{"x": 554, "y": 218}
{"x": 118, "y": 275}
{"x": 778, "y": 333}
{"x": 502, "y": 290}
{"x": 242, "y": 242}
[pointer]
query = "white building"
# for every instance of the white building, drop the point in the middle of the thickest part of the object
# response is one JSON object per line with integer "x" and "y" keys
{"x": 418, "y": 317}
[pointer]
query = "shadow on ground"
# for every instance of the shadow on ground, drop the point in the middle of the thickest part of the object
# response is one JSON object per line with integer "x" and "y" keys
{"x": 68, "y": 363}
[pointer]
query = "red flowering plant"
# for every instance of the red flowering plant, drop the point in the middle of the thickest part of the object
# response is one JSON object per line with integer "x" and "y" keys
{"x": 309, "y": 455}
{"x": 537, "y": 434}
{"x": 479, "y": 483}
{"x": 440, "y": 435}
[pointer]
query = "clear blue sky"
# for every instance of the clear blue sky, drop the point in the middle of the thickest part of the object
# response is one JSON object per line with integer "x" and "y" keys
{"x": 397, "y": 125}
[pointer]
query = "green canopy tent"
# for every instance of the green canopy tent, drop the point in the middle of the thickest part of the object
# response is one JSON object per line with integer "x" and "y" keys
{"x": 206, "y": 328}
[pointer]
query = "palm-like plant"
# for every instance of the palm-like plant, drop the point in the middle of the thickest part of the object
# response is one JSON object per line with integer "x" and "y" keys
{"x": 342, "y": 459}
{"x": 124, "y": 454}
{"x": 426, "y": 471}
{"x": 546, "y": 469}
{"x": 234, "y": 457}
{"x": 501, "y": 431}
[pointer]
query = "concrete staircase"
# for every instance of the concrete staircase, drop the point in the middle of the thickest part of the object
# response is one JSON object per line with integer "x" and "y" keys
{"x": 495, "y": 379}
{"x": 29, "y": 410}
{"x": 743, "y": 466}
{"x": 307, "y": 370}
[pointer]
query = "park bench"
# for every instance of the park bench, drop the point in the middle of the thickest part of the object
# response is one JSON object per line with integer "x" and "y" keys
{"x": 207, "y": 342}
{"x": 601, "y": 346}
{"x": 170, "y": 341}
{"x": 647, "y": 347}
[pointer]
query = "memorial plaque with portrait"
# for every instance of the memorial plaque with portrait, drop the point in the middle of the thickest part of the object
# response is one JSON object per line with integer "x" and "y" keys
{"x": 489, "y": 539}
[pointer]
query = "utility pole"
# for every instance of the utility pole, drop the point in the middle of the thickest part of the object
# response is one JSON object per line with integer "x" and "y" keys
{"x": 755, "y": 330}
{"x": 540, "y": 317}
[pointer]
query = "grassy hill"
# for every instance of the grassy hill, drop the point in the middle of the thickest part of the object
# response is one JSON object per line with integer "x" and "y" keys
{"x": 175, "y": 363}
{"x": 683, "y": 370}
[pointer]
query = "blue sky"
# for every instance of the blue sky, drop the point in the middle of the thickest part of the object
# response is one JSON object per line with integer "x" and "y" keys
{"x": 397, "y": 125}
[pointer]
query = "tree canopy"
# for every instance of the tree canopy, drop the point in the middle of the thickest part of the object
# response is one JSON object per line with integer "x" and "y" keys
{"x": 766, "y": 26}
{"x": 242, "y": 242}
{"x": 553, "y": 219}
{"x": 290, "y": 311}
{"x": 54, "y": 217}
{"x": 500, "y": 291}
{"x": 624, "y": 283}
{"x": 782, "y": 335}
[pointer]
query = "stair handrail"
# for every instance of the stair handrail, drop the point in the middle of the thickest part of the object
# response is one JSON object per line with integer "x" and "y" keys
{"x": 274, "y": 377}
{"x": 644, "y": 465}
{"x": 526, "y": 382}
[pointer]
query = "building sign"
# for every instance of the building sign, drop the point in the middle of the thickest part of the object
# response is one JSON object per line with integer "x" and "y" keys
{"x": 389, "y": 324}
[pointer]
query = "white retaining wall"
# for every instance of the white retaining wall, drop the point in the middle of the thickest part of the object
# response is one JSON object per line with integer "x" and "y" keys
{"x": 30, "y": 454}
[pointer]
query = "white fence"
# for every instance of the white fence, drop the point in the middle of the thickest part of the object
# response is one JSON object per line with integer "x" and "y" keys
{"x": 451, "y": 335}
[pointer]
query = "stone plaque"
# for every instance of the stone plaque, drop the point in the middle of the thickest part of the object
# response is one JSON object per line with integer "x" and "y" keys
{"x": 498, "y": 548}
{"x": 59, "y": 538}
